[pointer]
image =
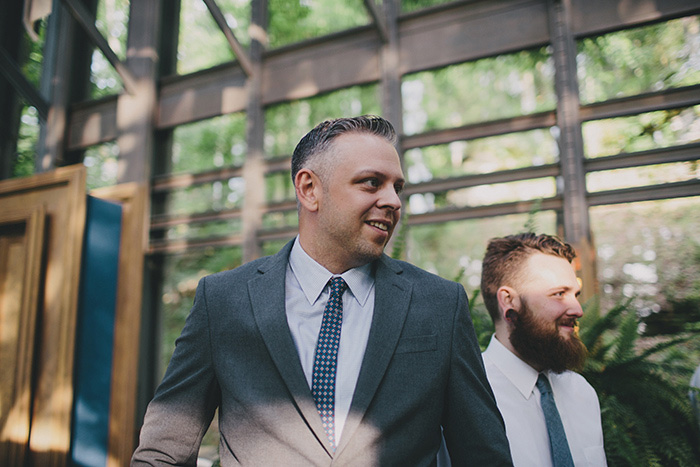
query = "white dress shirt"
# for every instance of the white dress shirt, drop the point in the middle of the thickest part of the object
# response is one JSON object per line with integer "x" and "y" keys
{"x": 518, "y": 399}
{"x": 306, "y": 295}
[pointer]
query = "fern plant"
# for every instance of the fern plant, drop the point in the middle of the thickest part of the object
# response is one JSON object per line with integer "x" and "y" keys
{"x": 647, "y": 416}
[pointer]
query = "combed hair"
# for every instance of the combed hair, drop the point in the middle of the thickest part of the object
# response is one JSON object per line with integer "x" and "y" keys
{"x": 317, "y": 140}
{"x": 504, "y": 259}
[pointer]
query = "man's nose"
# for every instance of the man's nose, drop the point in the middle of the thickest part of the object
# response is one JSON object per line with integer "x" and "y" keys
{"x": 575, "y": 309}
{"x": 390, "y": 199}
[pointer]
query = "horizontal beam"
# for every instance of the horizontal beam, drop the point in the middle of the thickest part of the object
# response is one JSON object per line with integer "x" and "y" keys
{"x": 645, "y": 193}
{"x": 478, "y": 212}
{"x": 163, "y": 183}
{"x": 480, "y": 130}
{"x": 161, "y": 222}
{"x": 505, "y": 176}
{"x": 180, "y": 246}
{"x": 685, "y": 153}
{"x": 469, "y": 31}
{"x": 649, "y": 102}
{"x": 594, "y": 17}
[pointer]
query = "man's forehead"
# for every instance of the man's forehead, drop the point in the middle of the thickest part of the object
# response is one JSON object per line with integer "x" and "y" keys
{"x": 544, "y": 270}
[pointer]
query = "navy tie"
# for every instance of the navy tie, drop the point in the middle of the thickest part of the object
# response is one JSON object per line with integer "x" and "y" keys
{"x": 323, "y": 380}
{"x": 558, "y": 445}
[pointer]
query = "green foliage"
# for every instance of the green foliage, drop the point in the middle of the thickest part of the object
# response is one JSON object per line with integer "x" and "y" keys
{"x": 285, "y": 124}
{"x": 488, "y": 89}
{"x": 201, "y": 43}
{"x": 643, "y": 390}
{"x": 413, "y": 5}
{"x": 639, "y": 60}
{"x": 295, "y": 20}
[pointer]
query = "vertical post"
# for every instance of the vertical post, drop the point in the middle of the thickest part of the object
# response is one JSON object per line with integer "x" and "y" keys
{"x": 136, "y": 112}
{"x": 392, "y": 106}
{"x": 392, "y": 101}
{"x": 10, "y": 40}
{"x": 254, "y": 166}
{"x": 576, "y": 220}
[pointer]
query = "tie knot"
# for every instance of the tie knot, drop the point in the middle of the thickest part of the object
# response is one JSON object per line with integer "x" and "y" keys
{"x": 338, "y": 285}
{"x": 543, "y": 384}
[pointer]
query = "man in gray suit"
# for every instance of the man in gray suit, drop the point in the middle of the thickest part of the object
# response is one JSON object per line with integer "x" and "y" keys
{"x": 329, "y": 352}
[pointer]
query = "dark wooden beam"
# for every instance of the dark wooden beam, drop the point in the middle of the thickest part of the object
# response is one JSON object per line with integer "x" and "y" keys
{"x": 378, "y": 20}
{"x": 87, "y": 22}
{"x": 236, "y": 47}
{"x": 12, "y": 73}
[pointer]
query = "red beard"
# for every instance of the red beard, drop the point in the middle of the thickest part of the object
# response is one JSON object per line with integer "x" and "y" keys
{"x": 541, "y": 345}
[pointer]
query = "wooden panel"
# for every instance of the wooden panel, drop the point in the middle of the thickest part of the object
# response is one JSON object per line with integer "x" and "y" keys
{"x": 599, "y": 16}
{"x": 92, "y": 123}
{"x": 471, "y": 31}
{"x": 122, "y": 430}
{"x": 62, "y": 195}
{"x": 21, "y": 238}
{"x": 316, "y": 67}
{"x": 217, "y": 91}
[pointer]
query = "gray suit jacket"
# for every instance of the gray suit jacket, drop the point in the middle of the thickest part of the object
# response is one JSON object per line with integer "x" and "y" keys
{"x": 422, "y": 369}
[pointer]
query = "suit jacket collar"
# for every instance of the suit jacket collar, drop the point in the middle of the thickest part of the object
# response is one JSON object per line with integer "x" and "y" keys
{"x": 392, "y": 298}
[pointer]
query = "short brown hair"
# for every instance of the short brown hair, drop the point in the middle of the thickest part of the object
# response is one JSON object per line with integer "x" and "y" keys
{"x": 505, "y": 256}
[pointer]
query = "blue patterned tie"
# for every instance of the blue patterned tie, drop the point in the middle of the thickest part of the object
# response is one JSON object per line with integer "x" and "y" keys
{"x": 323, "y": 381}
{"x": 558, "y": 445}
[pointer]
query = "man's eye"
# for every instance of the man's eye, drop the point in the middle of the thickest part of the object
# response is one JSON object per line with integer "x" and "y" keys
{"x": 398, "y": 189}
{"x": 371, "y": 182}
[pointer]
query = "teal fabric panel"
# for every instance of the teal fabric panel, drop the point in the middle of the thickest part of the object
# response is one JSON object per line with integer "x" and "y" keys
{"x": 95, "y": 333}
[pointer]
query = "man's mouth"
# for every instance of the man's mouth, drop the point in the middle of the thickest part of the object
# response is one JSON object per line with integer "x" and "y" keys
{"x": 380, "y": 225}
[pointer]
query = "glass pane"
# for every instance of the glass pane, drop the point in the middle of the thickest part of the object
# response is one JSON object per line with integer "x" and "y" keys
{"x": 484, "y": 195}
{"x": 201, "y": 43}
{"x": 650, "y": 252}
{"x": 645, "y": 59}
{"x": 270, "y": 248}
{"x": 295, "y": 20}
{"x": 112, "y": 22}
{"x": 642, "y": 176}
{"x": 181, "y": 275}
{"x": 278, "y": 220}
{"x": 208, "y": 197}
{"x": 26, "y": 143}
{"x": 641, "y": 132}
{"x": 446, "y": 248}
{"x": 279, "y": 187}
{"x": 101, "y": 163}
{"x": 483, "y": 155}
{"x": 286, "y": 124}
{"x": 209, "y": 144}
{"x": 488, "y": 89}
{"x": 210, "y": 229}
{"x": 413, "y": 5}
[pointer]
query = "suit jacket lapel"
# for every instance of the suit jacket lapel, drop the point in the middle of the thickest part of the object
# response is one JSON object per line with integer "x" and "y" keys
{"x": 392, "y": 296}
{"x": 267, "y": 296}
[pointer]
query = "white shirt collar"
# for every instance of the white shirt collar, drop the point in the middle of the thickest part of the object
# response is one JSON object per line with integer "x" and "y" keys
{"x": 522, "y": 375}
{"x": 313, "y": 277}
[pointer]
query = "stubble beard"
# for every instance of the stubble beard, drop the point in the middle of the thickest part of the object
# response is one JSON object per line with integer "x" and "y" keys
{"x": 541, "y": 345}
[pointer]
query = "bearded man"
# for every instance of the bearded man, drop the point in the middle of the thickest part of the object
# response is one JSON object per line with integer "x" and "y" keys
{"x": 552, "y": 414}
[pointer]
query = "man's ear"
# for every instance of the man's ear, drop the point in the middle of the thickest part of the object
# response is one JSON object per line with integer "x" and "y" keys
{"x": 508, "y": 301}
{"x": 308, "y": 188}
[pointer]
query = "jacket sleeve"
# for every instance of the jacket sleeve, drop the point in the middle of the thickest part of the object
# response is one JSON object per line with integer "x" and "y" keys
{"x": 184, "y": 404}
{"x": 474, "y": 430}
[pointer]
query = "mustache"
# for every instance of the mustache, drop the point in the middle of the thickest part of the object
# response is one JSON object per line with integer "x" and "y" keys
{"x": 568, "y": 321}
